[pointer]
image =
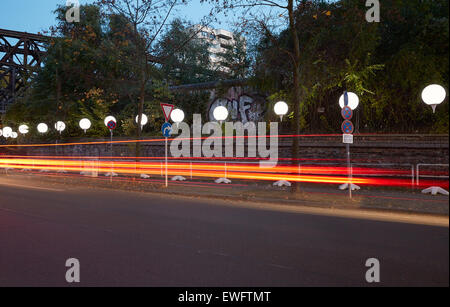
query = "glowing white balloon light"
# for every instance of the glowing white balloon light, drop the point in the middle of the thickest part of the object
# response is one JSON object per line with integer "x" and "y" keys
{"x": 7, "y": 131}
{"x": 280, "y": 109}
{"x": 14, "y": 135}
{"x": 108, "y": 119}
{"x": 85, "y": 124}
{"x": 220, "y": 113}
{"x": 177, "y": 115}
{"x": 60, "y": 126}
{"x": 144, "y": 119}
{"x": 24, "y": 129}
{"x": 433, "y": 95}
{"x": 42, "y": 128}
{"x": 353, "y": 100}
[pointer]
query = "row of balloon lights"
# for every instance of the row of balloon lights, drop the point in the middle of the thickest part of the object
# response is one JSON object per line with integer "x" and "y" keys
{"x": 432, "y": 95}
{"x": 177, "y": 116}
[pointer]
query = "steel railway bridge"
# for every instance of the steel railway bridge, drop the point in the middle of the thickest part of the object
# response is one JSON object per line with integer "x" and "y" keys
{"x": 21, "y": 54}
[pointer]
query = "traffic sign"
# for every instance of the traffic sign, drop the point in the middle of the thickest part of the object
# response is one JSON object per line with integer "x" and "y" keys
{"x": 347, "y": 113}
{"x": 111, "y": 125}
{"x": 347, "y": 127}
{"x": 347, "y": 138}
{"x": 167, "y": 109}
{"x": 345, "y": 98}
{"x": 166, "y": 129}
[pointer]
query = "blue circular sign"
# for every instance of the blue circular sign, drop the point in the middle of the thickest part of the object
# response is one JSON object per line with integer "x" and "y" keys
{"x": 347, "y": 127}
{"x": 166, "y": 129}
{"x": 347, "y": 113}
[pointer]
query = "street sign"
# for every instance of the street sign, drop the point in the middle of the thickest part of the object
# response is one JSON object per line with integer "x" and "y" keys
{"x": 167, "y": 109}
{"x": 166, "y": 129}
{"x": 347, "y": 113}
{"x": 345, "y": 98}
{"x": 111, "y": 125}
{"x": 347, "y": 127}
{"x": 347, "y": 138}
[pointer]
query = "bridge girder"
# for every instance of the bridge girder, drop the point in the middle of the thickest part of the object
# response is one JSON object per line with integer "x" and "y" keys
{"x": 21, "y": 54}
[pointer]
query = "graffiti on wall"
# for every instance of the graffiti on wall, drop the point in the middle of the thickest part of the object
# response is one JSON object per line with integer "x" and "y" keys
{"x": 243, "y": 107}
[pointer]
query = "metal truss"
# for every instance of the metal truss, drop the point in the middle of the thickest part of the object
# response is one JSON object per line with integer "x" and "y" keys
{"x": 21, "y": 55}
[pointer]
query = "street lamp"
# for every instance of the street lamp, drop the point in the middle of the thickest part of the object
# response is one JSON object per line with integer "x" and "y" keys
{"x": 85, "y": 124}
{"x": 144, "y": 120}
{"x": 108, "y": 119}
{"x": 353, "y": 100}
{"x": 220, "y": 113}
{"x": 433, "y": 95}
{"x": 60, "y": 126}
{"x": 24, "y": 129}
{"x": 177, "y": 116}
{"x": 280, "y": 109}
{"x": 42, "y": 128}
{"x": 7, "y": 131}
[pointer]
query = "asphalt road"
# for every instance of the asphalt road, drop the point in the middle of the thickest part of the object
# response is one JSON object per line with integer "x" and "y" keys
{"x": 138, "y": 239}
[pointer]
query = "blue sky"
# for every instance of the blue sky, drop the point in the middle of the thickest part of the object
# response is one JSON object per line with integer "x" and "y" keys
{"x": 36, "y": 15}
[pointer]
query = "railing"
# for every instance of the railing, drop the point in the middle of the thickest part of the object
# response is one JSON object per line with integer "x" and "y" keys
{"x": 429, "y": 176}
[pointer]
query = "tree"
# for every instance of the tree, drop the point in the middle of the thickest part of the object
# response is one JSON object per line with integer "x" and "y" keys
{"x": 74, "y": 79}
{"x": 284, "y": 12}
{"x": 236, "y": 59}
{"x": 188, "y": 64}
{"x": 146, "y": 21}
{"x": 337, "y": 48}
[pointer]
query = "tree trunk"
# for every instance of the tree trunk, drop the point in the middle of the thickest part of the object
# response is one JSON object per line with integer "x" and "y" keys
{"x": 296, "y": 96}
{"x": 140, "y": 112}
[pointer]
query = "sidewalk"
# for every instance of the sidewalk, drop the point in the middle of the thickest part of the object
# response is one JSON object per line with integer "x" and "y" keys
{"x": 310, "y": 195}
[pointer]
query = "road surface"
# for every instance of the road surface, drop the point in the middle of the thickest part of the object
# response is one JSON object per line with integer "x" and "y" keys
{"x": 139, "y": 239}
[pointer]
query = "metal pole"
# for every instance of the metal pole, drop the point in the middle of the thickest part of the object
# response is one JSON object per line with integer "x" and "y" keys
{"x": 349, "y": 171}
{"x": 417, "y": 174}
{"x": 166, "y": 162}
{"x": 111, "y": 147}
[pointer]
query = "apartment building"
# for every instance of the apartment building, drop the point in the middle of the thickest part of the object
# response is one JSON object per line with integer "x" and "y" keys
{"x": 219, "y": 40}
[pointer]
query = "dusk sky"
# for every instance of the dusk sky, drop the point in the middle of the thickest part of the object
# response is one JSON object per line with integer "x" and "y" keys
{"x": 35, "y": 16}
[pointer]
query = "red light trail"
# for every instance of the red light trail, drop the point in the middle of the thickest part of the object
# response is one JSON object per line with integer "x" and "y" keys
{"x": 244, "y": 171}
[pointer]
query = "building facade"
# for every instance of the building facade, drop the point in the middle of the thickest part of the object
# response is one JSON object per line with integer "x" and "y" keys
{"x": 219, "y": 41}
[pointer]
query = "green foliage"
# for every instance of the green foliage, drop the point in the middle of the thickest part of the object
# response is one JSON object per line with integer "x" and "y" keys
{"x": 387, "y": 64}
{"x": 186, "y": 58}
{"x": 236, "y": 59}
{"x": 99, "y": 67}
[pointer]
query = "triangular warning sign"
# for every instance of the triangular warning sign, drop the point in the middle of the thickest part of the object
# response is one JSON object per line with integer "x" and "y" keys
{"x": 167, "y": 109}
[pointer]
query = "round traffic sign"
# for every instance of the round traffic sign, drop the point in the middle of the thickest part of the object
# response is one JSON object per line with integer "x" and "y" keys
{"x": 347, "y": 127}
{"x": 347, "y": 113}
{"x": 166, "y": 129}
{"x": 111, "y": 125}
